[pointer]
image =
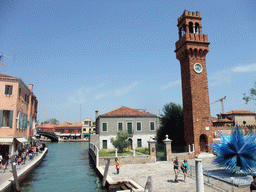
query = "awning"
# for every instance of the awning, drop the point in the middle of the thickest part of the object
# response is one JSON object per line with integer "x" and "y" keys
{"x": 73, "y": 134}
{"x": 22, "y": 140}
{"x": 64, "y": 134}
{"x": 34, "y": 138}
{"x": 78, "y": 134}
{"x": 6, "y": 141}
{"x": 86, "y": 133}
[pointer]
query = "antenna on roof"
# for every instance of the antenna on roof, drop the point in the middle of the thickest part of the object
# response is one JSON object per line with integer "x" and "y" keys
{"x": 3, "y": 56}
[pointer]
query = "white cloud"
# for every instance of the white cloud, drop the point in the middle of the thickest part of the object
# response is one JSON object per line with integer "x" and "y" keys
{"x": 171, "y": 84}
{"x": 220, "y": 77}
{"x": 100, "y": 95}
{"x": 125, "y": 90}
{"x": 245, "y": 68}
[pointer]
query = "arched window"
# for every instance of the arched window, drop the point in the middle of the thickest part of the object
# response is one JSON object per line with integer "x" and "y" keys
{"x": 197, "y": 28}
{"x": 180, "y": 32}
{"x": 191, "y": 27}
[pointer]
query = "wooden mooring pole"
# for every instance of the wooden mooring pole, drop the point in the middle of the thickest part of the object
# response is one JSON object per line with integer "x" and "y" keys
{"x": 105, "y": 173}
{"x": 16, "y": 184}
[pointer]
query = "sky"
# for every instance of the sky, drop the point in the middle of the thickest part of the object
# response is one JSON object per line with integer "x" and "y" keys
{"x": 83, "y": 56}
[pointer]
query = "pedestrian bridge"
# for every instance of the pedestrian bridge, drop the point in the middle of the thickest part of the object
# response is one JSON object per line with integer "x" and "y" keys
{"x": 49, "y": 135}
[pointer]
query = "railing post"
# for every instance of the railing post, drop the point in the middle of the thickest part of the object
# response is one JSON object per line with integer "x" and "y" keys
{"x": 193, "y": 147}
{"x": 134, "y": 152}
{"x": 189, "y": 150}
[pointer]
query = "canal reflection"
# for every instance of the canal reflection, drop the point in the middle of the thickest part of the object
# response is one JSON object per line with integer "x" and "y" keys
{"x": 66, "y": 167}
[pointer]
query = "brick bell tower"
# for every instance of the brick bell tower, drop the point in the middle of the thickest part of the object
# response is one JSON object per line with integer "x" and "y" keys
{"x": 191, "y": 50}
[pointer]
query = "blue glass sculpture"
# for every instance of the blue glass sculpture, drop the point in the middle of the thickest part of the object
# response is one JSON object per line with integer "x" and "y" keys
{"x": 236, "y": 150}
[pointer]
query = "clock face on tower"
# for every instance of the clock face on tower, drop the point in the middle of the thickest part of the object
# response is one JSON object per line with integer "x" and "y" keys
{"x": 198, "y": 67}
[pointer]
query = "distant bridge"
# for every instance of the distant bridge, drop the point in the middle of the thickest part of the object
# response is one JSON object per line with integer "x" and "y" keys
{"x": 52, "y": 136}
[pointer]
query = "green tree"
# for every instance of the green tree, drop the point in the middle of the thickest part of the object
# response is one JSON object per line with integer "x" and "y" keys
{"x": 171, "y": 124}
{"x": 121, "y": 141}
{"x": 252, "y": 95}
{"x": 51, "y": 120}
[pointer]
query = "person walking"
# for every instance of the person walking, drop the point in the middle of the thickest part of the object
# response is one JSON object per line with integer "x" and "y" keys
{"x": 253, "y": 184}
{"x": 117, "y": 165}
{"x": 176, "y": 168}
{"x": 185, "y": 168}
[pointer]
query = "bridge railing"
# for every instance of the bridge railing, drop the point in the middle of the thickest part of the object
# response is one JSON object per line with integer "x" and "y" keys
{"x": 94, "y": 153}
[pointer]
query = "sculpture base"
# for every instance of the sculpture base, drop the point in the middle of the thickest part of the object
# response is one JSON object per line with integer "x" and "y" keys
{"x": 238, "y": 179}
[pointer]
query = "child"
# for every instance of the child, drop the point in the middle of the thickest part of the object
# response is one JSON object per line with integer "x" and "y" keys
{"x": 185, "y": 169}
{"x": 117, "y": 166}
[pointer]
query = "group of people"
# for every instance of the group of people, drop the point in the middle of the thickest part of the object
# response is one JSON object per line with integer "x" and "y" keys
{"x": 21, "y": 157}
{"x": 4, "y": 161}
{"x": 184, "y": 167}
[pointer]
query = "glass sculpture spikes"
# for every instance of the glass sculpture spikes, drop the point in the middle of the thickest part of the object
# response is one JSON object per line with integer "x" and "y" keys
{"x": 236, "y": 150}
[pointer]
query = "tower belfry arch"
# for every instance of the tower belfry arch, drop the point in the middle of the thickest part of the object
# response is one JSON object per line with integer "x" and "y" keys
{"x": 191, "y": 50}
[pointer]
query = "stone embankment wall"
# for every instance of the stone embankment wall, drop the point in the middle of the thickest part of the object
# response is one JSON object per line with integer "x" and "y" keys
{"x": 127, "y": 160}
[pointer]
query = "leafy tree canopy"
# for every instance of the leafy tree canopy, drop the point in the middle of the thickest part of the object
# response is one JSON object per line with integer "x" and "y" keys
{"x": 252, "y": 96}
{"x": 171, "y": 124}
{"x": 52, "y": 121}
{"x": 121, "y": 141}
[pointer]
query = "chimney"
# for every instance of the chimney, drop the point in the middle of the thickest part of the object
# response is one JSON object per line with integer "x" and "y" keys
{"x": 31, "y": 87}
{"x": 96, "y": 114}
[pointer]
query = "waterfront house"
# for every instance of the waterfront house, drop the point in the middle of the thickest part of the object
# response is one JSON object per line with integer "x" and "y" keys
{"x": 139, "y": 124}
{"x": 88, "y": 127}
{"x": 18, "y": 113}
{"x": 68, "y": 130}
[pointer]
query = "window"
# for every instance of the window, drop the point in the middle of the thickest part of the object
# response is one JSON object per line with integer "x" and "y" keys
{"x": 6, "y": 118}
{"x": 73, "y": 130}
{"x": 70, "y": 130}
{"x": 152, "y": 126}
{"x": 79, "y": 130}
{"x": 19, "y": 92}
{"x": 120, "y": 126}
{"x": 90, "y": 130}
{"x": 139, "y": 143}
{"x": 138, "y": 126}
{"x": 87, "y": 123}
{"x": 129, "y": 128}
{"x": 26, "y": 98}
{"x": 104, "y": 127}
{"x": 94, "y": 129}
{"x": 84, "y": 129}
{"x": 104, "y": 144}
{"x": 8, "y": 90}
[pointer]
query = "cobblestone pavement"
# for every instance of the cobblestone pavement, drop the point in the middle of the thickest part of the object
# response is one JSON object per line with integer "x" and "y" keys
{"x": 163, "y": 176}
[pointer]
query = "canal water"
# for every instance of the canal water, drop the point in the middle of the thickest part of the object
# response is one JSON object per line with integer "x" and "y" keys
{"x": 66, "y": 167}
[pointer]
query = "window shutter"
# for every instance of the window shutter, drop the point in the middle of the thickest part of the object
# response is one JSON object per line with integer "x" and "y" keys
{"x": 1, "y": 118}
{"x": 10, "y": 90}
{"x": 11, "y": 118}
{"x": 26, "y": 121}
{"x": 30, "y": 126}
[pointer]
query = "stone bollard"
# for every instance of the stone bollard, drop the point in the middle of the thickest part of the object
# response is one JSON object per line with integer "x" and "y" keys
{"x": 152, "y": 149}
{"x": 116, "y": 152}
{"x": 199, "y": 176}
{"x": 168, "y": 148}
{"x": 134, "y": 152}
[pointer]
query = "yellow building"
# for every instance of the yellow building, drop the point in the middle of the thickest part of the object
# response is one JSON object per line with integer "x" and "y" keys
{"x": 88, "y": 127}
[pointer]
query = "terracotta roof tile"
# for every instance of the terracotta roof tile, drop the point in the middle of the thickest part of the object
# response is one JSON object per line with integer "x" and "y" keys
{"x": 64, "y": 124}
{"x": 239, "y": 112}
{"x": 3, "y": 75}
{"x": 76, "y": 125}
{"x": 223, "y": 121}
{"x": 126, "y": 111}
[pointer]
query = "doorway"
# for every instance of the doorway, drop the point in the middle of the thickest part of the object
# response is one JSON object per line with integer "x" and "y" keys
{"x": 130, "y": 143}
{"x": 203, "y": 143}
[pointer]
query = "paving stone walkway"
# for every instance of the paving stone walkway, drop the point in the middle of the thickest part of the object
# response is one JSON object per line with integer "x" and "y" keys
{"x": 8, "y": 173}
{"x": 163, "y": 176}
